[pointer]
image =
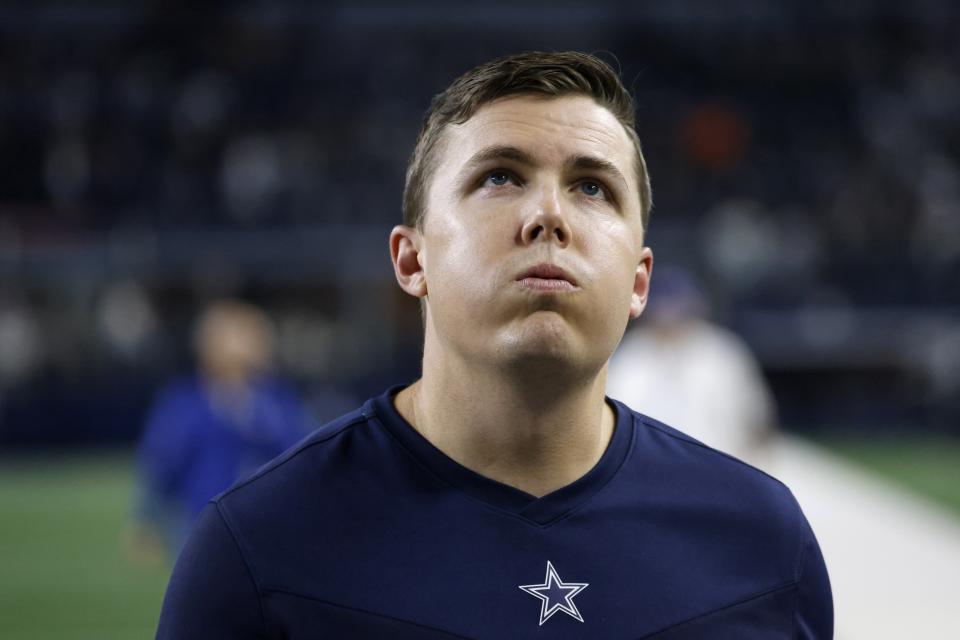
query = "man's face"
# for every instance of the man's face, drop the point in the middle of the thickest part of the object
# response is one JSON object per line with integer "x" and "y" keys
{"x": 532, "y": 245}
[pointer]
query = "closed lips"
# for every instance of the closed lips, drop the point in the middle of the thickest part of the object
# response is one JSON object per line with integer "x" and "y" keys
{"x": 547, "y": 271}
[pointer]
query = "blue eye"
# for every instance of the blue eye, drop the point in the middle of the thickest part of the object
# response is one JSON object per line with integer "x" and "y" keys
{"x": 499, "y": 178}
{"x": 591, "y": 188}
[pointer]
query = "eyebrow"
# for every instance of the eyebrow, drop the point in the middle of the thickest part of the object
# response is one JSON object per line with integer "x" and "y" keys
{"x": 592, "y": 163}
{"x": 497, "y": 152}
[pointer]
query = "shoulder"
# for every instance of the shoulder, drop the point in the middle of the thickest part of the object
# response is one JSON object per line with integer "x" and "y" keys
{"x": 737, "y": 529}
{"x": 701, "y": 462}
{"x": 290, "y": 472}
{"x": 299, "y": 484}
{"x": 724, "y": 489}
{"x": 305, "y": 496}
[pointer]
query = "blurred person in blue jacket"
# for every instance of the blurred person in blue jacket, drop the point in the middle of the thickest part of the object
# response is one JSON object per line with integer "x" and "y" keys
{"x": 208, "y": 429}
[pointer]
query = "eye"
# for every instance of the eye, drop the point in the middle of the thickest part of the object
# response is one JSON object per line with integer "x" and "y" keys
{"x": 591, "y": 188}
{"x": 498, "y": 178}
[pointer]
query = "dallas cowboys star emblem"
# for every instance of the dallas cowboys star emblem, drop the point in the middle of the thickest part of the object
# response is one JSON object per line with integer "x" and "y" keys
{"x": 556, "y": 595}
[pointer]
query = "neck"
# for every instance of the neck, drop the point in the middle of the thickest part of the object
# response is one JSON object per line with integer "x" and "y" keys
{"x": 537, "y": 433}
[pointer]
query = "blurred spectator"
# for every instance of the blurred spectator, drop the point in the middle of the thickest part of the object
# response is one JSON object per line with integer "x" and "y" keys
{"x": 206, "y": 431}
{"x": 679, "y": 368}
{"x": 20, "y": 342}
{"x": 940, "y": 362}
{"x": 126, "y": 317}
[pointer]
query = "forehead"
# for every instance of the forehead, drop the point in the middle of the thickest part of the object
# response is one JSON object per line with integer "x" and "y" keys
{"x": 546, "y": 127}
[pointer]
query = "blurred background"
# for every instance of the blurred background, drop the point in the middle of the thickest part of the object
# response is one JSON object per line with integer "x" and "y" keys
{"x": 155, "y": 157}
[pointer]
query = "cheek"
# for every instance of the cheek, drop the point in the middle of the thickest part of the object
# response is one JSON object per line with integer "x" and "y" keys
{"x": 612, "y": 246}
{"x": 461, "y": 269}
{"x": 615, "y": 263}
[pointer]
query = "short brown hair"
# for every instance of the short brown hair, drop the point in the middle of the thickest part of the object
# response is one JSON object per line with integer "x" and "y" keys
{"x": 534, "y": 72}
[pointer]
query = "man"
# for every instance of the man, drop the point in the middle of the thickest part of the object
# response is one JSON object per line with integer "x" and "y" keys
{"x": 501, "y": 495}
{"x": 206, "y": 430}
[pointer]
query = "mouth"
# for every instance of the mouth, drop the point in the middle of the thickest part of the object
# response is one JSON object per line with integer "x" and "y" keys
{"x": 547, "y": 277}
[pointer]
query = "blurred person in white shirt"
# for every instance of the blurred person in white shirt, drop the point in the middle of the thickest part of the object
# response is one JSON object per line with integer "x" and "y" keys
{"x": 682, "y": 369}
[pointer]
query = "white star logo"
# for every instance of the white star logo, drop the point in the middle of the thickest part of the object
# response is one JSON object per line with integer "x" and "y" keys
{"x": 556, "y": 595}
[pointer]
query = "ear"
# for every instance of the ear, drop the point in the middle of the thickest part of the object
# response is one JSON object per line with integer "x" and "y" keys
{"x": 405, "y": 252}
{"x": 641, "y": 283}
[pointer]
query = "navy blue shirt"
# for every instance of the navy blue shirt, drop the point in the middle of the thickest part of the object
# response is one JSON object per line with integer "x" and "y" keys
{"x": 366, "y": 530}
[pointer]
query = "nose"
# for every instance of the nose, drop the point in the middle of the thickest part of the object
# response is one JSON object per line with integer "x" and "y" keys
{"x": 546, "y": 221}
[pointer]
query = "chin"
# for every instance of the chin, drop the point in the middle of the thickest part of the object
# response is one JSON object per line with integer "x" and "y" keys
{"x": 546, "y": 341}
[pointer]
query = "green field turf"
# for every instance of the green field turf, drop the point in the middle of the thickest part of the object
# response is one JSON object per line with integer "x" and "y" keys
{"x": 62, "y": 574}
{"x": 925, "y": 464}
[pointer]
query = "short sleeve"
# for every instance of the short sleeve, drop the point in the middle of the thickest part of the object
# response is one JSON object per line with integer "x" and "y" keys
{"x": 814, "y": 614}
{"x": 211, "y": 593}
